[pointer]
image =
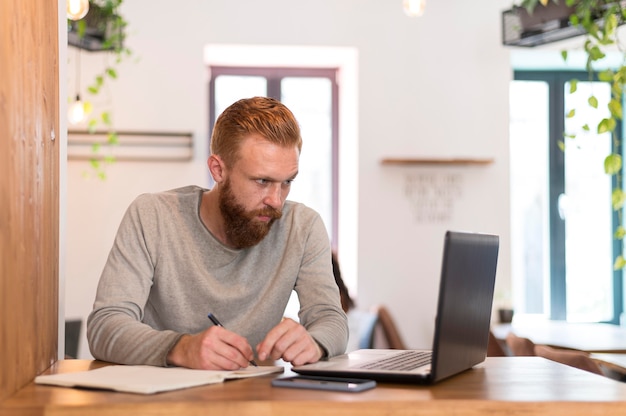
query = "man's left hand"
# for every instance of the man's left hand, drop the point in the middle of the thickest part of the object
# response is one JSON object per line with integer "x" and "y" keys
{"x": 290, "y": 341}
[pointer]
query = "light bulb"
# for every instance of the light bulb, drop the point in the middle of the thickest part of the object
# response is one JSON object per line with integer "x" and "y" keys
{"x": 414, "y": 8}
{"x": 76, "y": 111}
{"x": 77, "y": 9}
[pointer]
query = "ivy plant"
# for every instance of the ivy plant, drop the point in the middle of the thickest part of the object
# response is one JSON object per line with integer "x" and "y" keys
{"x": 112, "y": 25}
{"x": 599, "y": 21}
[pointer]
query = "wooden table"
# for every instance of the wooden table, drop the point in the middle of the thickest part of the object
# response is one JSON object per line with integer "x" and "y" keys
{"x": 501, "y": 385}
{"x": 589, "y": 337}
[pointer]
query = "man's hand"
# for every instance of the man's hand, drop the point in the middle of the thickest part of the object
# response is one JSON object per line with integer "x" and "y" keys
{"x": 214, "y": 349}
{"x": 290, "y": 341}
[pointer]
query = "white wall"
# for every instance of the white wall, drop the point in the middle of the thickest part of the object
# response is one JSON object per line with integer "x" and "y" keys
{"x": 430, "y": 86}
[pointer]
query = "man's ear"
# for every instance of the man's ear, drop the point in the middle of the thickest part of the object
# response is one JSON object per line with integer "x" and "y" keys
{"x": 216, "y": 167}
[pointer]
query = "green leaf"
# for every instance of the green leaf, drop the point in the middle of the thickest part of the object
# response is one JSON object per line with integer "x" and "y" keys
{"x": 605, "y": 41}
{"x": 606, "y": 75}
{"x": 571, "y": 113}
{"x": 593, "y": 29}
{"x": 112, "y": 138}
{"x": 606, "y": 125}
{"x": 586, "y": 127}
{"x": 596, "y": 53}
{"x": 593, "y": 101}
{"x": 87, "y": 107}
{"x": 561, "y": 145}
{"x": 573, "y": 86}
{"x": 619, "y": 263}
{"x": 610, "y": 24}
{"x": 617, "y": 199}
{"x": 111, "y": 72}
{"x": 615, "y": 106}
{"x": 564, "y": 55}
{"x": 106, "y": 118}
{"x": 82, "y": 27}
{"x": 92, "y": 126}
{"x": 620, "y": 232}
{"x": 613, "y": 165}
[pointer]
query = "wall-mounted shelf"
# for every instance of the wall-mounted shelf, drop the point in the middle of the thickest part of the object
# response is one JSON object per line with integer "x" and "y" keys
{"x": 435, "y": 161}
{"x": 133, "y": 146}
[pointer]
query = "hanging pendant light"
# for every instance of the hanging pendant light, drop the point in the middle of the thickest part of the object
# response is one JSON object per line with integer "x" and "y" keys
{"x": 414, "y": 8}
{"x": 77, "y": 9}
{"x": 76, "y": 110}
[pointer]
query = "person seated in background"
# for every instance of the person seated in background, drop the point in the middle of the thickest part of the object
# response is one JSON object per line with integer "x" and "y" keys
{"x": 236, "y": 250}
{"x": 347, "y": 303}
{"x": 360, "y": 323}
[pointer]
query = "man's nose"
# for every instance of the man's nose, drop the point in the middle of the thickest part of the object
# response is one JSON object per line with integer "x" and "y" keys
{"x": 274, "y": 197}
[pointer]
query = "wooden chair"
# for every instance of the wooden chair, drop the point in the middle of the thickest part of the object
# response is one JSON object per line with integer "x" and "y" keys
{"x": 578, "y": 359}
{"x": 386, "y": 333}
{"x": 72, "y": 337}
{"x": 495, "y": 347}
{"x": 521, "y": 346}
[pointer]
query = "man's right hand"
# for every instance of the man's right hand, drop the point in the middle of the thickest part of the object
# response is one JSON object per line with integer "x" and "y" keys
{"x": 214, "y": 349}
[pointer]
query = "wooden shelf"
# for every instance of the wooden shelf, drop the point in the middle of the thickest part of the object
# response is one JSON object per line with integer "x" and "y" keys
{"x": 435, "y": 161}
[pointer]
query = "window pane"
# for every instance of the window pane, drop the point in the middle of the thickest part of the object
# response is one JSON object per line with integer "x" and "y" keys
{"x": 529, "y": 137}
{"x": 230, "y": 88}
{"x": 587, "y": 210}
{"x": 310, "y": 99}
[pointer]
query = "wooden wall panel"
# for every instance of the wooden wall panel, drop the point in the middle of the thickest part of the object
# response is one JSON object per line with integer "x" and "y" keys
{"x": 29, "y": 185}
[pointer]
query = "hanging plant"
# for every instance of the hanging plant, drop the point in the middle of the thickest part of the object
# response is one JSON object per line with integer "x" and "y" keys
{"x": 103, "y": 29}
{"x": 599, "y": 21}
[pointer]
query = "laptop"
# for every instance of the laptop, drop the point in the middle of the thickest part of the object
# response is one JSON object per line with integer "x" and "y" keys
{"x": 462, "y": 323}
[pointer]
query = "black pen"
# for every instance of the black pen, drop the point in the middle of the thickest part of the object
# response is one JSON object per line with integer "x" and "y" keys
{"x": 218, "y": 323}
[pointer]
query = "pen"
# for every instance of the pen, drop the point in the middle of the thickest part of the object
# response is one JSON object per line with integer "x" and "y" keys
{"x": 218, "y": 323}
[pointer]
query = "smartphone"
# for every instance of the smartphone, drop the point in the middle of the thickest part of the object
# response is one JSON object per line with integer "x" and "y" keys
{"x": 325, "y": 383}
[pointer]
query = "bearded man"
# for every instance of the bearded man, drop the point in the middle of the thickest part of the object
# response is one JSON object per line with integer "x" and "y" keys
{"x": 236, "y": 251}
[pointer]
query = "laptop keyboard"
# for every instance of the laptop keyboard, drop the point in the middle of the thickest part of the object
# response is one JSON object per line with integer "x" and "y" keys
{"x": 406, "y": 361}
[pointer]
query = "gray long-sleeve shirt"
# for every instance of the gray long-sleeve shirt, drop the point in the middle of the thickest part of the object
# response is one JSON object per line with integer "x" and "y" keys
{"x": 166, "y": 272}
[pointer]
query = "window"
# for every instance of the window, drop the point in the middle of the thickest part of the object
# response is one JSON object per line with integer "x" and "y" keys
{"x": 311, "y": 94}
{"x": 562, "y": 222}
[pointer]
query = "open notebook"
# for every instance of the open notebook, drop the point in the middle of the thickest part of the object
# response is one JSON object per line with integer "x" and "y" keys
{"x": 461, "y": 334}
{"x": 146, "y": 379}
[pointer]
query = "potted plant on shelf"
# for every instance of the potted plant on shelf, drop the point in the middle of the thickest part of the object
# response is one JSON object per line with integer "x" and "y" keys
{"x": 102, "y": 30}
{"x": 598, "y": 22}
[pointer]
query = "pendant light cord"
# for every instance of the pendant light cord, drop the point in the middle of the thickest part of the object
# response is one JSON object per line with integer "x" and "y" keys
{"x": 78, "y": 74}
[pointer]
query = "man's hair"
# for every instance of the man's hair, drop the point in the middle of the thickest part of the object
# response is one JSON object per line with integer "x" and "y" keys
{"x": 264, "y": 116}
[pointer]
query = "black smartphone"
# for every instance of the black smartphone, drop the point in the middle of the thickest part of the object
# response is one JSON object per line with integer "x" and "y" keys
{"x": 325, "y": 383}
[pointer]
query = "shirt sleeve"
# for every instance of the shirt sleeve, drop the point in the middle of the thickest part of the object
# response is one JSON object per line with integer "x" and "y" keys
{"x": 115, "y": 331}
{"x": 320, "y": 305}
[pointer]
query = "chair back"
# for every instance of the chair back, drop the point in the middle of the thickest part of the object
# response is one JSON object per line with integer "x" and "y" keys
{"x": 386, "y": 333}
{"x": 579, "y": 359}
{"x": 494, "y": 347}
{"x": 72, "y": 337}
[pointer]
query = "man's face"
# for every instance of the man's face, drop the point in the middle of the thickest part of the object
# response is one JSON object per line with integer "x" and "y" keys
{"x": 254, "y": 190}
